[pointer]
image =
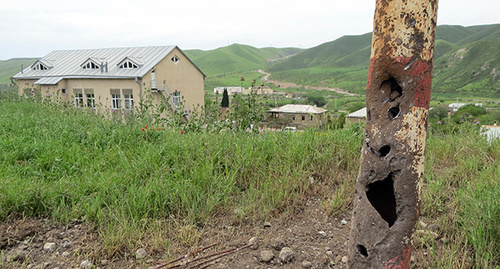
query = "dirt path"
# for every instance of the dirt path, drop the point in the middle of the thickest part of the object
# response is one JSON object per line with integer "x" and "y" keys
{"x": 265, "y": 78}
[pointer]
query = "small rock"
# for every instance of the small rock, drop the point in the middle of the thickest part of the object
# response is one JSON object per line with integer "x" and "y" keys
{"x": 254, "y": 243}
{"x": 307, "y": 264}
{"x": 422, "y": 224}
{"x": 67, "y": 244}
{"x": 267, "y": 224}
{"x": 141, "y": 254}
{"x": 46, "y": 264}
{"x": 286, "y": 254}
{"x": 344, "y": 222}
{"x": 65, "y": 254}
{"x": 86, "y": 264}
{"x": 278, "y": 243}
{"x": 329, "y": 253}
{"x": 344, "y": 259}
{"x": 424, "y": 233}
{"x": 104, "y": 262}
{"x": 433, "y": 228}
{"x": 49, "y": 247}
{"x": 266, "y": 256}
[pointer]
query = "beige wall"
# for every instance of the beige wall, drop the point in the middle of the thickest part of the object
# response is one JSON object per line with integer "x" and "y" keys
{"x": 183, "y": 76}
{"x": 317, "y": 119}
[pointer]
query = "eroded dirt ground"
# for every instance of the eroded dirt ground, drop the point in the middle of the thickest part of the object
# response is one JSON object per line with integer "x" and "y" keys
{"x": 316, "y": 241}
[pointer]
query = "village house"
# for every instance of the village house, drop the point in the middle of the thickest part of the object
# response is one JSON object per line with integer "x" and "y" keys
{"x": 358, "y": 115}
{"x": 300, "y": 116}
{"x": 453, "y": 107}
{"x": 114, "y": 79}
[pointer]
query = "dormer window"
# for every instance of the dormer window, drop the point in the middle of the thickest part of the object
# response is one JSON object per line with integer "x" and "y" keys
{"x": 39, "y": 66}
{"x": 89, "y": 64}
{"x": 175, "y": 59}
{"x": 128, "y": 65}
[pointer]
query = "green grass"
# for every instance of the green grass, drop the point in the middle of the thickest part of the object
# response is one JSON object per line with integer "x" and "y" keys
{"x": 139, "y": 186}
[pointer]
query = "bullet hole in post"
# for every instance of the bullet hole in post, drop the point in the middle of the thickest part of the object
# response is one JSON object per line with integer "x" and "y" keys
{"x": 384, "y": 150}
{"x": 393, "y": 112}
{"x": 368, "y": 115}
{"x": 395, "y": 90}
{"x": 381, "y": 196}
{"x": 362, "y": 250}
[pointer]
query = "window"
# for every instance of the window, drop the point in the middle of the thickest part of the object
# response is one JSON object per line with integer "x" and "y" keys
{"x": 293, "y": 117}
{"x": 303, "y": 117}
{"x": 310, "y": 117}
{"x": 89, "y": 95}
{"x": 63, "y": 91}
{"x": 89, "y": 64}
{"x": 175, "y": 59}
{"x": 116, "y": 100}
{"x": 78, "y": 100}
{"x": 176, "y": 98}
{"x": 128, "y": 65}
{"x": 39, "y": 66}
{"x": 128, "y": 98}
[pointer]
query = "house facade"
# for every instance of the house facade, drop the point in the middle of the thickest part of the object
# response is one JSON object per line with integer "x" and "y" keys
{"x": 114, "y": 79}
{"x": 300, "y": 116}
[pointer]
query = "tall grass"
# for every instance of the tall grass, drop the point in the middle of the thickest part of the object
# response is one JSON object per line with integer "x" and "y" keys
{"x": 158, "y": 186}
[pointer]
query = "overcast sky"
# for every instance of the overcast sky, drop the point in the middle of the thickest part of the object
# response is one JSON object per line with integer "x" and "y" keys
{"x": 32, "y": 28}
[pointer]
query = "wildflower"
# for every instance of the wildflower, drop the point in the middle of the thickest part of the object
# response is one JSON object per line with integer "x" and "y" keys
{"x": 477, "y": 122}
{"x": 182, "y": 132}
{"x": 142, "y": 129}
{"x": 159, "y": 128}
{"x": 146, "y": 126}
{"x": 439, "y": 122}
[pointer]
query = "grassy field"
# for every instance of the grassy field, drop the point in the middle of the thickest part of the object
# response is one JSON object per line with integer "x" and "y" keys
{"x": 66, "y": 163}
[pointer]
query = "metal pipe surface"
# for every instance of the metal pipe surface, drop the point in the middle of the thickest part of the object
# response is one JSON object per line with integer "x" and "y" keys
{"x": 388, "y": 187}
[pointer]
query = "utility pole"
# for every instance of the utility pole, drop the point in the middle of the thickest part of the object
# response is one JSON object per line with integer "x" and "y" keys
{"x": 388, "y": 187}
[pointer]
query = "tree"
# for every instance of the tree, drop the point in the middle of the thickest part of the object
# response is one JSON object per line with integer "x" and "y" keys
{"x": 317, "y": 99}
{"x": 225, "y": 99}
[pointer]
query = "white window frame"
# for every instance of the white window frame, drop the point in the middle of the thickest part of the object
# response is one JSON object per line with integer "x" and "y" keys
{"x": 128, "y": 65}
{"x": 40, "y": 66}
{"x": 90, "y": 100}
{"x": 175, "y": 59}
{"x": 176, "y": 98}
{"x": 129, "y": 101}
{"x": 91, "y": 65}
{"x": 116, "y": 101}
{"x": 78, "y": 99}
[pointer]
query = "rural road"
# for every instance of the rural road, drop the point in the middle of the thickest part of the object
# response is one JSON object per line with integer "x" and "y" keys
{"x": 265, "y": 78}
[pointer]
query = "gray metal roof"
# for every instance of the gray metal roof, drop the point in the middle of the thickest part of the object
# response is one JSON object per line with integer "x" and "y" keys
{"x": 49, "y": 80}
{"x": 291, "y": 108}
{"x": 67, "y": 63}
{"x": 358, "y": 114}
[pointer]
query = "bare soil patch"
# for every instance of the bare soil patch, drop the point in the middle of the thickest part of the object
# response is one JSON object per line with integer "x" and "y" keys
{"x": 315, "y": 240}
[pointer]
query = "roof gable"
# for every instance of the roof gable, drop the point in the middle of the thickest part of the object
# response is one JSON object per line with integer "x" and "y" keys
{"x": 293, "y": 108}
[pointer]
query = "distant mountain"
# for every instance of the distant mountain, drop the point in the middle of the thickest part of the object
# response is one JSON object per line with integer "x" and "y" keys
{"x": 236, "y": 58}
{"x": 13, "y": 66}
{"x": 467, "y": 59}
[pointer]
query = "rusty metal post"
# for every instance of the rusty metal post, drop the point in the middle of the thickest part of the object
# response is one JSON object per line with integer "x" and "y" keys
{"x": 387, "y": 197}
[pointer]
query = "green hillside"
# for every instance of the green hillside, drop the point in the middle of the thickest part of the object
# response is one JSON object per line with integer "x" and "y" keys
{"x": 11, "y": 67}
{"x": 466, "y": 60}
{"x": 236, "y": 58}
